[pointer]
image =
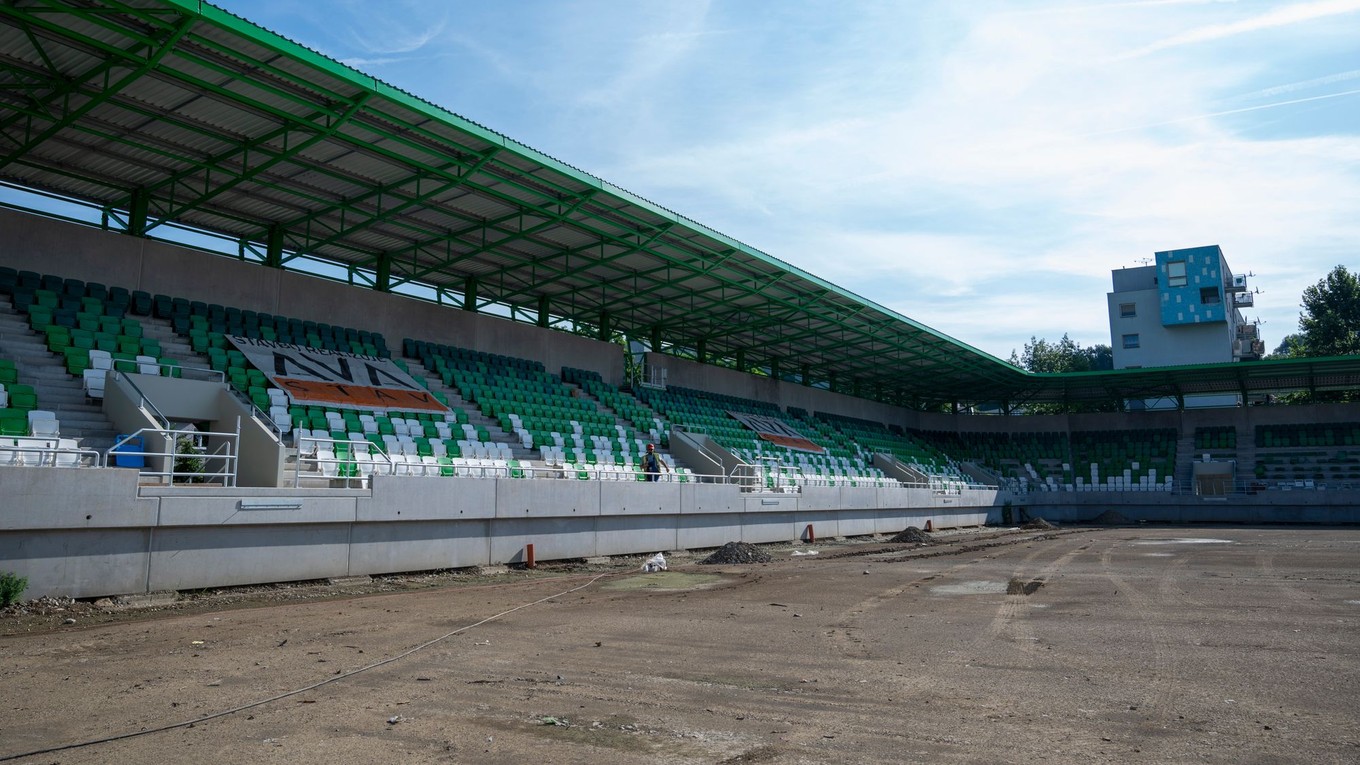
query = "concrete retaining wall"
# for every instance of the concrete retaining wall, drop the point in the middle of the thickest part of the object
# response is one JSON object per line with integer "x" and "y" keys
{"x": 86, "y": 533}
{"x": 1274, "y": 506}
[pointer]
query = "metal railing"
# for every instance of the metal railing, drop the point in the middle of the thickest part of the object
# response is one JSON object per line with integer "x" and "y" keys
{"x": 348, "y": 467}
{"x": 36, "y": 451}
{"x": 145, "y": 404}
{"x": 178, "y": 464}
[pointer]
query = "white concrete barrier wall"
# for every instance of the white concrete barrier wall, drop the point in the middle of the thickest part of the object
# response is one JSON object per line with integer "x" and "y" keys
{"x": 86, "y": 533}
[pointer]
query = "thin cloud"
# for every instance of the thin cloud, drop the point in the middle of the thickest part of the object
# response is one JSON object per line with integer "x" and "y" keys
{"x": 1294, "y": 87}
{"x": 1226, "y": 112}
{"x": 1280, "y": 17}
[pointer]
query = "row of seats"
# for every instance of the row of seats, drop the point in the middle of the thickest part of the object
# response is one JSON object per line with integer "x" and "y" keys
{"x": 39, "y": 451}
{"x": 527, "y": 401}
{"x": 1321, "y": 434}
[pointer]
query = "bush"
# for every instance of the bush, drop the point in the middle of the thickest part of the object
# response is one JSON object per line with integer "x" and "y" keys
{"x": 189, "y": 460}
{"x": 11, "y": 587}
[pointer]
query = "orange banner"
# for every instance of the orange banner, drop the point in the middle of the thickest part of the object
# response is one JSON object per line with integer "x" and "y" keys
{"x": 349, "y": 396}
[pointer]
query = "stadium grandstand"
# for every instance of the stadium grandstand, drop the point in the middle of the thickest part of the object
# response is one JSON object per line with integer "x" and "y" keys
{"x": 257, "y": 305}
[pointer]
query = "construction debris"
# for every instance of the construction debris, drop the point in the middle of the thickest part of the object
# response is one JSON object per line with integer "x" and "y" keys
{"x": 737, "y": 552}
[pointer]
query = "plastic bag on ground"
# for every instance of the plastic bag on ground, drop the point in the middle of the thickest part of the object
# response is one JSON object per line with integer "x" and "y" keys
{"x": 655, "y": 563}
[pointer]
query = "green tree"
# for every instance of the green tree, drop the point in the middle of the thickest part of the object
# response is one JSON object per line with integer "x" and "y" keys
{"x": 1065, "y": 355}
{"x": 1329, "y": 325}
{"x": 1290, "y": 345}
{"x": 1330, "y": 322}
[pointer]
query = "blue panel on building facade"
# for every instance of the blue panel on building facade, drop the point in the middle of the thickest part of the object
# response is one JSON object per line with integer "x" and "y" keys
{"x": 1190, "y": 286}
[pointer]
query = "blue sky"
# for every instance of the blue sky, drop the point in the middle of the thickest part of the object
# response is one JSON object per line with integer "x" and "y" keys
{"x": 980, "y": 167}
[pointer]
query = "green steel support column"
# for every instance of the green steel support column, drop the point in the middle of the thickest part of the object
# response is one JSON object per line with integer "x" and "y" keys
{"x": 701, "y": 350}
{"x": 831, "y": 380}
{"x": 806, "y": 375}
{"x": 604, "y": 326}
{"x": 774, "y": 368}
{"x": 741, "y": 359}
{"x": 137, "y": 212}
{"x": 383, "y": 273}
{"x": 543, "y": 310}
{"x": 273, "y": 254}
{"x": 470, "y": 294}
{"x": 855, "y": 387}
{"x": 1180, "y": 401}
{"x": 656, "y": 338}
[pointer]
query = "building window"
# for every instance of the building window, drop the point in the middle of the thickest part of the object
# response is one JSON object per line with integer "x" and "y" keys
{"x": 1175, "y": 273}
{"x": 1127, "y": 310}
{"x": 1131, "y": 341}
{"x": 1209, "y": 295}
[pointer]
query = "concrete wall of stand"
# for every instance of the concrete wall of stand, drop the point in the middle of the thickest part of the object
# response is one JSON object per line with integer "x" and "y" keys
{"x": 1266, "y": 507}
{"x": 48, "y": 246}
{"x": 84, "y": 533}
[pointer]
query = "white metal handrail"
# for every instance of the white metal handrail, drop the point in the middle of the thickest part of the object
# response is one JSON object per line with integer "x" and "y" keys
{"x": 46, "y": 450}
{"x": 226, "y": 454}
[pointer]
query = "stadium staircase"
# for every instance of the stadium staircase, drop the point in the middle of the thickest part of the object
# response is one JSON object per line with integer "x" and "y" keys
{"x": 57, "y": 390}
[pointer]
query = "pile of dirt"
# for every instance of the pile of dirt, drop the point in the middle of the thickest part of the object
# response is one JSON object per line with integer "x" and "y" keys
{"x": 738, "y": 552}
{"x": 1038, "y": 524}
{"x": 912, "y": 535}
{"x": 1110, "y": 518}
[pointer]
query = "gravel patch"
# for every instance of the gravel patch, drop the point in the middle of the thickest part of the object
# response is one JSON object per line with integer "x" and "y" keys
{"x": 737, "y": 552}
{"x": 912, "y": 535}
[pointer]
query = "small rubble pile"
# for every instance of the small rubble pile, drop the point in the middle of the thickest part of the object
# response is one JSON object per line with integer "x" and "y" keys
{"x": 737, "y": 552}
{"x": 1110, "y": 518}
{"x": 1038, "y": 524}
{"x": 912, "y": 535}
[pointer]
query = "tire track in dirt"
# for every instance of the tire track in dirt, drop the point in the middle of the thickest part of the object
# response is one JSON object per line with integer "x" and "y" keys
{"x": 1009, "y": 625}
{"x": 1265, "y": 564}
{"x": 1170, "y": 585}
{"x": 845, "y": 635}
{"x": 1159, "y": 681}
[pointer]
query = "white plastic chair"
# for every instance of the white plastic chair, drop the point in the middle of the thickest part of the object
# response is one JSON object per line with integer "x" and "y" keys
{"x": 43, "y": 424}
{"x": 100, "y": 359}
{"x": 282, "y": 419}
{"x": 67, "y": 456}
{"x": 93, "y": 382}
{"x": 325, "y": 460}
{"x": 8, "y": 454}
{"x": 148, "y": 365}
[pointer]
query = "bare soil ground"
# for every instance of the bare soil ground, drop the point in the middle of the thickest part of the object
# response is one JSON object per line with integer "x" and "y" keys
{"x": 1220, "y": 645}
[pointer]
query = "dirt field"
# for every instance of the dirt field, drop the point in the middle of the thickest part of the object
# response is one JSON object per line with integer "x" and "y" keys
{"x": 1221, "y": 645}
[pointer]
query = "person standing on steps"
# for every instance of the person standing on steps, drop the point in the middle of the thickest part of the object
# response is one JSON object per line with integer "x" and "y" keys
{"x": 652, "y": 464}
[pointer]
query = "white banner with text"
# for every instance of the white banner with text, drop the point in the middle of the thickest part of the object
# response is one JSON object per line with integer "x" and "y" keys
{"x": 777, "y": 431}
{"x": 317, "y": 377}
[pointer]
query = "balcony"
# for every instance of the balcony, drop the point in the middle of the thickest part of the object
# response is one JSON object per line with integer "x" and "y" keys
{"x": 1244, "y": 299}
